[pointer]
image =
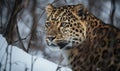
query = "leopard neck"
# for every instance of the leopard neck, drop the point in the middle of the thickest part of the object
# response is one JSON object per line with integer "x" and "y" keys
{"x": 90, "y": 21}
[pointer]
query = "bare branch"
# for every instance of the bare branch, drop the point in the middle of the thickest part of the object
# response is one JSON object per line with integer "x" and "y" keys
{"x": 6, "y": 58}
{"x": 34, "y": 25}
{"x": 12, "y": 21}
{"x": 10, "y": 68}
{"x": 112, "y": 11}
{"x": 22, "y": 38}
{"x": 23, "y": 47}
{"x": 42, "y": 14}
{"x": 61, "y": 59}
{"x": 33, "y": 61}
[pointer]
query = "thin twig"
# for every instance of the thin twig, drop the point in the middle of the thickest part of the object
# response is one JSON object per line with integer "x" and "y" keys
{"x": 33, "y": 61}
{"x": 34, "y": 25}
{"x": 10, "y": 68}
{"x": 41, "y": 14}
{"x": 29, "y": 44}
{"x": 23, "y": 47}
{"x": 8, "y": 5}
{"x": 22, "y": 38}
{"x": 1, "y": 24}
{"x": 0, "y": 66}
{"x": 61, "y": 59}
{"x": 65, "y": 1}
{"x": 23, "y": 22}
{"x": 112, "y": 11}
{"x": 6, "y": 58}
{"x": 55, "y": 1}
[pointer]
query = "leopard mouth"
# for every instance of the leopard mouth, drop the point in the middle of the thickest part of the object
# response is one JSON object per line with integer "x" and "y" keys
{"x": 62, "y": 44}
{"x": 59, "y": 44}
{"x": 53, "y": 45}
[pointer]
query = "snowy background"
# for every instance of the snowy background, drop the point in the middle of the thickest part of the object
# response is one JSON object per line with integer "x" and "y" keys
{"x": 14, "y": 59}
{"x": 22, "y": 27}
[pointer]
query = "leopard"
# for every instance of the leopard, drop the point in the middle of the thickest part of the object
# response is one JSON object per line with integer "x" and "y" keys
{"x": 88, "y": 43}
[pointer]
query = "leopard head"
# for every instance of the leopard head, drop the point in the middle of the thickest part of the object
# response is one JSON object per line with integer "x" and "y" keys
{"x": 64, "y": 27}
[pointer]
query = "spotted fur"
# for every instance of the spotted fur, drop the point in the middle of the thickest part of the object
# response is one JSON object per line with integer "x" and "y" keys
{"x": 89, "y": 44}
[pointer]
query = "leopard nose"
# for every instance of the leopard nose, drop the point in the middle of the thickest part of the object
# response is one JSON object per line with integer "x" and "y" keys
{"x": 51, "y": 38}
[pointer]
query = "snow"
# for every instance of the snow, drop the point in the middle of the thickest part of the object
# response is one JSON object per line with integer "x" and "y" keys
{"x": 13, "y": 58}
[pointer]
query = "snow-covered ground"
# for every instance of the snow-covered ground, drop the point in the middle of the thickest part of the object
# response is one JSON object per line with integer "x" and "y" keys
{"x": 13, "y": 58}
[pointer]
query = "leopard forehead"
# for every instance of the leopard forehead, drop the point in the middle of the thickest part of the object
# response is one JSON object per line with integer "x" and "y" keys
{"x": 63, "y": 10}
{"x": 60, "y": 13}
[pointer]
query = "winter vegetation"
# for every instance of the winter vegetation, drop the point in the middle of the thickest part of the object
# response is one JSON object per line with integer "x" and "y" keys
{"x": 13, "y": 58}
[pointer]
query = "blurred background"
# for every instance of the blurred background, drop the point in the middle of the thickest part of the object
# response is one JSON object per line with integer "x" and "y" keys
{"x": 22, "y": 22}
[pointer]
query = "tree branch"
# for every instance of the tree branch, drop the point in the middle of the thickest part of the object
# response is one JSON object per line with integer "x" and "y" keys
{"x": 112, "y": 11}
{"x": 12, "y": 21}
{"x": 34, "y": 25}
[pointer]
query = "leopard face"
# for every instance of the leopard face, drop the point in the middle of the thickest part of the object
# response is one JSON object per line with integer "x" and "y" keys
{"x": 63, "y": 27}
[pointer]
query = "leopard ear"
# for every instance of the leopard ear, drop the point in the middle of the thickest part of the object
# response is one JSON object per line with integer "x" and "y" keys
{"x": 49, "y": 8}
{"x": 79, "y": 9}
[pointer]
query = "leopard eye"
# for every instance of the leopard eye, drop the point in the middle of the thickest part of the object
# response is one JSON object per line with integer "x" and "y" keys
{"x": 63, "y": 24}
{"x": 80, "y": 12}
{"x": 47, "y": 24}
